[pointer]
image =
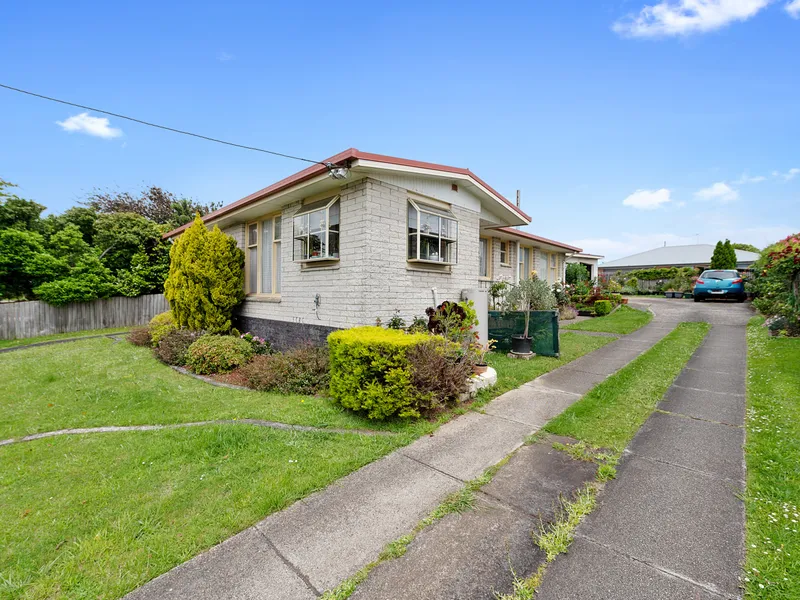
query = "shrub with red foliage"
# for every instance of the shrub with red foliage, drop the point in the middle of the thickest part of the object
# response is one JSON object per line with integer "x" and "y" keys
{"x": 303, "y": 370}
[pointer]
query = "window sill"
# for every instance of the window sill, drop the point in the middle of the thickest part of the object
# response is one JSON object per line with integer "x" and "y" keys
{"x": 429, "y": 268}
{"x": 482, "y": 278}
{"x": 502, "y": 264}
{"x": 263, "y": 298}
{"x": 319, "y": 265}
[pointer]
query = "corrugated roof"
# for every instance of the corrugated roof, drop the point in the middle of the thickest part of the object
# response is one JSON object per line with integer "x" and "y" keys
{"x": 695, "y": 254}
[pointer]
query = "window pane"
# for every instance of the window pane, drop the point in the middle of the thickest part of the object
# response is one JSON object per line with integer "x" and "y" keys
{"x": 333, "y": 244}
{"x": 252, "y": 234}
{"x": 412, "y": 246}
{"x": 412, "y": 218}
{"x": 300, "y": 225}
{"x": 316, "y": 221}
{"x": 252, "y": 270}
{"x": 333, "y": 216}
{"x": 266, "y": 257}
{"x": 483, "y": 269}
{"x": 503, "y": 252}
{"x": 429, "y": 247}
{"x": 449, "y": 254}
{"x": 449, "y": 229}
{"x": 429, "y": 223}
{"x": 301, "y": 249}
{"x": 277, "y": 228}
{"x": 277, "y": 248}
{"x": 316, "y": 242}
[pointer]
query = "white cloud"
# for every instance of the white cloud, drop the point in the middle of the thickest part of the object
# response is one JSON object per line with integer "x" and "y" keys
{"x": 745, "y": 178}
{"x": 793, "y": 8}
{"x": 224, "y": 56}
{"x": 648, "y": 199}
{"x": 96, "y": 126}
{"x": 685, "y": 17}
{"x": 681, "y": 204}
{"x": 791, "y": 173}
{"x": 720, "y": 191}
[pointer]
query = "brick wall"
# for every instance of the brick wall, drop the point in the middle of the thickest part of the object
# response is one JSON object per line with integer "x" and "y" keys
{"x": 373, "y": 276}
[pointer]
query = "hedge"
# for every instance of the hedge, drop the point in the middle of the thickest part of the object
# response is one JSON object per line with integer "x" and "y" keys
{"x": 370, "y": 371}
{"x": 602, "y": 307}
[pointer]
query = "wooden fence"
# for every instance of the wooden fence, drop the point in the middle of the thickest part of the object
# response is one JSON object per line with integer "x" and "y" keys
{"x": 29, "y": 319}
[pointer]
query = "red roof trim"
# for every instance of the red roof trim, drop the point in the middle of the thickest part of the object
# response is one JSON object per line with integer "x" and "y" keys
{"x": 536, "y": 238}
{"x": 349, "y": 154}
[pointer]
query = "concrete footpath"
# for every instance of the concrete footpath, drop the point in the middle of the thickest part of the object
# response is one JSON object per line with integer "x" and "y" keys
{"x": 671, "y": 524}
{"x": 320, "y": 541}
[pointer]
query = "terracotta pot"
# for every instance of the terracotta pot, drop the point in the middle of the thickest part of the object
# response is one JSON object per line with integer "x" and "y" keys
{"x": 624, "y": 300}
{"x": 480, "y": 369}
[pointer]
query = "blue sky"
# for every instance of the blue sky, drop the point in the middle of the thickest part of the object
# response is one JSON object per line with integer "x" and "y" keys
{"x": 624, "y": 126}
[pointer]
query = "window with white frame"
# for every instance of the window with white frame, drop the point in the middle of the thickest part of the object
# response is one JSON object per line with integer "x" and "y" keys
{"x": 315, "y": 231}
{"x": 525, "y": 267}
{"x": 485, "y": 258}
{"x": 503, "y": 253}
{"x": 432, "y": 234}
{"x": 263, "y": 257}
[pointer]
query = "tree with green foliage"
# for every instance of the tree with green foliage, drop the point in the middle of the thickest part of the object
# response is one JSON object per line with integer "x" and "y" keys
{"x": 153, "y": 203}
{"x": 724, "y": 256}
{"x": 16, "y": 212}
{"x": 576, "y": 272}
{"x": 746, "y": 248}
{"x": 206, "y": 278}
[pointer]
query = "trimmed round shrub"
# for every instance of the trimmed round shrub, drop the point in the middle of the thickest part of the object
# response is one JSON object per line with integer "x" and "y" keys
{"x": 602, "y": 307}
{"x": 173, "y": 347}
{"x": 303, "y": 370}
{"x": 140, "y": 336}
{"x": 370, "y": 371}
{"x": 218, "y": 354}
{"x": 160, "y": 326}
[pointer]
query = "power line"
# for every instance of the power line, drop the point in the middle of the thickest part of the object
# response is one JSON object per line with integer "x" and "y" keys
{"x": 172, "y": 129}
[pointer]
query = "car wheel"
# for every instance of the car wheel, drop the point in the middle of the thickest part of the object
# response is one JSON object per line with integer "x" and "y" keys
{"x": 741, "y": 298}
{"x": 698, "y": 299}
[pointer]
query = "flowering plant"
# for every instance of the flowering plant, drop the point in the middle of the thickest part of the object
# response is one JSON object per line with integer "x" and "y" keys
{"x": 259, "y": 344}
{"x": 479, "y": 351}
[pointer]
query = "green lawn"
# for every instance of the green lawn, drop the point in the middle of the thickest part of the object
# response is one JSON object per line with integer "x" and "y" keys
{"x": 622, "y": 321}
{"x": 772, "y": 453}
{"x": 512, "y": 373}
{"x": 98, "y": 382}
{"x": 60, "y": 336}
{"x": 94, "y": 516}
{"x": 612, "y": 412}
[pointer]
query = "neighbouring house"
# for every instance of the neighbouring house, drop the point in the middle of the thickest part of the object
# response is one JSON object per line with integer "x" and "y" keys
{"x": 693, "y": 255}
{"x": 362, "y": 235}
{"x": 587, "y": 260}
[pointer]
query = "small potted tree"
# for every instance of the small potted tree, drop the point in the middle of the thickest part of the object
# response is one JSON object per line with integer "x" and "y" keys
{"x": 527, "y": 295}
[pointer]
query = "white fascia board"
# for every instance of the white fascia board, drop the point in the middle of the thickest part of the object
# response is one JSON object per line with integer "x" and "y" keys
{"x": 516, "y": 219}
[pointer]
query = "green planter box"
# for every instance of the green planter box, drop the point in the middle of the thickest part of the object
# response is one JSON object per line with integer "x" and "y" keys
{"x": 543, "y": 329}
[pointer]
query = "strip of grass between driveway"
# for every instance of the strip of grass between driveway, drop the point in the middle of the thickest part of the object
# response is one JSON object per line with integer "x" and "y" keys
{"x": 622, "y": 321}
{"x": 612, "y": 412}
{"x": 772, "y": 453}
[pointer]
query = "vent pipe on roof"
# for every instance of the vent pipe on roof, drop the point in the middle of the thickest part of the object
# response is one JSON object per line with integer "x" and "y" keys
{"x": 519, "y": 198}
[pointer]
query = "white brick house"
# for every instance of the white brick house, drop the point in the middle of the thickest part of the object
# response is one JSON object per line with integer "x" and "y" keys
{"x": 323, "y": 253}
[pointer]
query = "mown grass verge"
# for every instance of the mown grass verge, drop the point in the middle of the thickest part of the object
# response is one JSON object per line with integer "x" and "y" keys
{"x": 612, "y": 412}
{"x": 772, "y": 453}
{"x": 622, "y": 321}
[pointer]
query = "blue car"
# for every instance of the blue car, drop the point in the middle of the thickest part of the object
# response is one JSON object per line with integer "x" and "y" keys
{"x": 719, "y": 284}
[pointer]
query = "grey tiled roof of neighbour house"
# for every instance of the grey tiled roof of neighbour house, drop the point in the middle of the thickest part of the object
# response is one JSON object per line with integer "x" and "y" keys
{"x": 695, "y": 254}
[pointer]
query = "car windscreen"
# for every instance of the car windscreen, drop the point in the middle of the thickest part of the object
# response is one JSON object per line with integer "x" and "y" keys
{"x": 719, "y": 275}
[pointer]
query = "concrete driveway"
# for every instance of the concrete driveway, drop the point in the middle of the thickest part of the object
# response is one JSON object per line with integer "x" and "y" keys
{"x": 671, "y": 525}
